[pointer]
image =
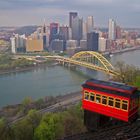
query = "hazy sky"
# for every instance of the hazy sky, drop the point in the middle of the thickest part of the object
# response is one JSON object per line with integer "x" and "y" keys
{"x": 32, "y": 12}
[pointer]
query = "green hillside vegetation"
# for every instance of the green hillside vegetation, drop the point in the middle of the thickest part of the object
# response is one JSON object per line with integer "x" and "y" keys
{"x": 6, "y": 62}
{"x": 129, "y": 74}
{"x": 50, "y": 126}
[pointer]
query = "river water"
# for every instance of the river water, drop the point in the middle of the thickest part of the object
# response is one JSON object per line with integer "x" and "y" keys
{"x": 52, "y": 80}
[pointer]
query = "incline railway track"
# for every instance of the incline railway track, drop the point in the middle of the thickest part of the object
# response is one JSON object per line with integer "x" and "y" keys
{"x": 118, "y": 132}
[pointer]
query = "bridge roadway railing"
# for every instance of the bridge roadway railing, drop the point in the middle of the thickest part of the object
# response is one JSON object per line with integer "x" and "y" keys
{"x": 84, "y": 64}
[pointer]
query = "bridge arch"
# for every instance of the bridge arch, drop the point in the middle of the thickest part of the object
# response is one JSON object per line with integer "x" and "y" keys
{"x": 105, "y": 63}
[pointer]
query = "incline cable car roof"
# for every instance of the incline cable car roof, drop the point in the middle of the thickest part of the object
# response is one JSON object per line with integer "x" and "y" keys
{"x": 111, "y": 85}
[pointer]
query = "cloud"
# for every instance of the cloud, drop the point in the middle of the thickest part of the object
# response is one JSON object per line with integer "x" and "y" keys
{"x": 124, "y": 11}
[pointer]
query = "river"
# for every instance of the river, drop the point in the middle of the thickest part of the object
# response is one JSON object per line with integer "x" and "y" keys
{"x": 54, "y": 80}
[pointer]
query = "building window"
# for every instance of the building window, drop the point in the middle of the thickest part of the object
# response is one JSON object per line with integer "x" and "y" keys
{"x": 117, "y": 103}
{"x": 110, "y": 101}
{"x": 104, "y": 100}
{"x": 92, "y": 96}
{"x": 86, "y": 95}
{"x": 124, "y": 105}
{"x": 98, "y": 98}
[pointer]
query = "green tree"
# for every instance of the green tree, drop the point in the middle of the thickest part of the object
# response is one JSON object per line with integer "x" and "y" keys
{"x": 128, "y": 73}
{"x": 137, "y": 82}
{"x": 24, "y": 129}
{"x": 50, "y": 128}
{"x": 6, "y": 133}
{"x": 25, "y": 104}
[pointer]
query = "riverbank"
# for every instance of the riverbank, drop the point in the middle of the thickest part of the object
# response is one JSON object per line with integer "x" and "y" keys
{"x": 125, "y": 50}
{"x": 17, "y": 111}
{"x": 27, "y": 68}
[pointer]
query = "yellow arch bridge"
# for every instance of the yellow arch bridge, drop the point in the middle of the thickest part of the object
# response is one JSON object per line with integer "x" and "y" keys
{"x": 88, "y": 59}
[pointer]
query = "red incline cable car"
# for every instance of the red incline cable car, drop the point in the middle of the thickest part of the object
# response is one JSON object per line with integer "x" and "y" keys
{"x": 110, "y": 99}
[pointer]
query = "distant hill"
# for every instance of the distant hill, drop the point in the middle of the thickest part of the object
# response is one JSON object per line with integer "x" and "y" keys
{"x": 27, "y": 30}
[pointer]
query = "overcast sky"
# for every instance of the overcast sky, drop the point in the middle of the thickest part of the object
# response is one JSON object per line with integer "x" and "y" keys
{"x": 33, "y": 12}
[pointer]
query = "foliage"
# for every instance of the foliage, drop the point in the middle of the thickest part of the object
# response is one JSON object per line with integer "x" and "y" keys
{"x": 129, "y": 74}
{"x": 50, "y": 126}
{"x": 24, "y": 129}
{"x": 6, "y": 132}
{"x": 6, "y": 62}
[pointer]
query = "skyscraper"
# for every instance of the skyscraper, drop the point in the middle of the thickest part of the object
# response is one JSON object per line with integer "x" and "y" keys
{"x": 44, "y": 37}
{"x": 84, "y": 30}
{"x": 72, "y": 15}
{"x": 53, "y": 31}
{"x": 92, "y": 41}
{"x": 64, "y": 32}
{"x": 64, "y": 35}
{"x": 112, "y": 30}
{"x": 18, "y": 43}
{"x": 90, "y": 24}
{"x": 13, "y": 45}
{"x": 77, "y": 28}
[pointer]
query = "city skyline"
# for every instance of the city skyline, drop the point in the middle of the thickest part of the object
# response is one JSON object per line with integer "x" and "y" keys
{"x": 32, "y": 12}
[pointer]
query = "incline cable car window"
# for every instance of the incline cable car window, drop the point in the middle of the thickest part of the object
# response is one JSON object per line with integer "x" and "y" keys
{"x": 92, "y": 96}
{"x": 104, "y": 100}
{"x": 86, "y": 95}
{"x": 98, "y": 98}
{"x": 117, "y": 103}
{"x": 124, "y": 105}
{"x": 110, "y": 101}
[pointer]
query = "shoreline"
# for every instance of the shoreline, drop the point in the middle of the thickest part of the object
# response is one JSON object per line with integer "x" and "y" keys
{"x": 43, "y": 64}
{"x": 125, "y": 50}
{"x": 23, "y": 69}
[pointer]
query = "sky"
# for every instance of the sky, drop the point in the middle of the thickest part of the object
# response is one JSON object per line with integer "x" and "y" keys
{"x": 33, "y": 12}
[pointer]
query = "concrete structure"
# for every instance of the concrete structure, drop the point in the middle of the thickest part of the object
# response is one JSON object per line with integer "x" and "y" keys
{"x": 92, "y": 41}
{"x": 112, "y": 30}
{"x": 90, "y": 24}
{"x": 102, "y": 44}
{"x": 34, "y": 45}
{"x": 72, "y": 15}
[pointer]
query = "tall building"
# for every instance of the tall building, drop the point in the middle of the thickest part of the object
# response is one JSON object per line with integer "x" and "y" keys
{"x": 83, "y": 44}
{"x": 77, "y": 28}
{"x": 102, "y": 44}
{"x": 72, "y": 15}
{"x": 90, "y": 24}
{"x": 64, "y": 35}
{"x": 64, "y": 32}
{"x": 57, "y": 46}
{"x": 18, "y": 43}
{"x": 112, "y": 30}
{"x": 92, "y": 41}
{"x": 84, "y": 31}
{"x": 53, "y": 31}
{"x": 34, "y": 45}
{"x": 13, "y": 45}
{"x": 118, "y": 32}
{"x": 44, "y": 37}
